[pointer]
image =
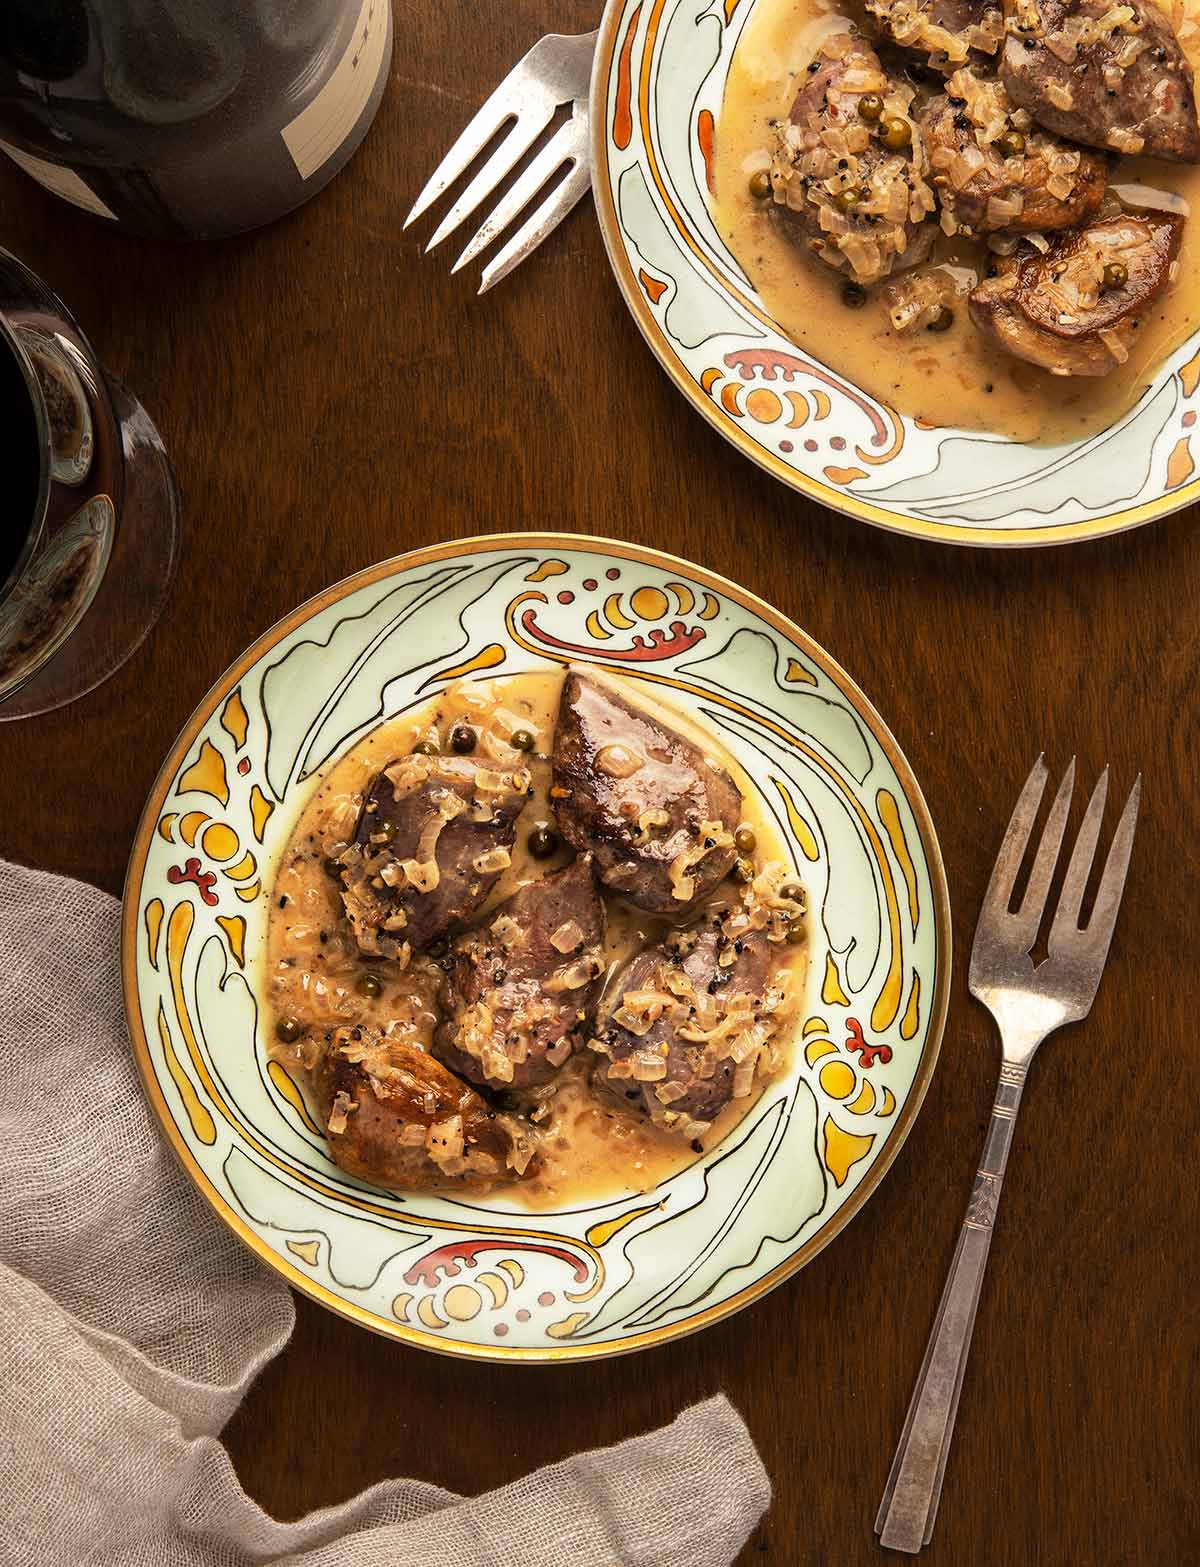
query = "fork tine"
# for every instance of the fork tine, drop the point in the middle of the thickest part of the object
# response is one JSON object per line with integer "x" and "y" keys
{"x": 1012, "y": 850}
{"x": 487, "y": 121}
{"x": 542, "y": 222}
{"x": 1112, "y": 883}
{"x": 562, "y": 148}
{"x": 1066, "y": 916}
{"x": 532, "y": 121}
{"x": 1033, "y": 904}
{"x": 503, "y": 104}
{"x": 1103, "y": 919}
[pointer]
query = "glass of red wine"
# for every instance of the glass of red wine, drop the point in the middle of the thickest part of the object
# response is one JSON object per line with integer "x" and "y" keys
{"x": 89, "y": 531}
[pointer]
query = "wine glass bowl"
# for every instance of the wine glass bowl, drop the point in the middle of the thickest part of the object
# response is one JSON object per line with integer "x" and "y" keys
{"x": 89, "y": 548}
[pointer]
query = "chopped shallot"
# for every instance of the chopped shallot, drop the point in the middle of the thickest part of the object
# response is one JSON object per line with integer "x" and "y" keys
{"x": 507, "y": 932}
{"x": 343, "y": 1107}
{"x": 492, "y": 860}
{"x": 567, "y": 937}
{"x": 574, "y": 975}
{"x": 444, "y": 1140}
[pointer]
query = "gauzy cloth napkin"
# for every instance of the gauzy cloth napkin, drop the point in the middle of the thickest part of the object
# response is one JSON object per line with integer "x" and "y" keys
{"x": 132, "y": 1322}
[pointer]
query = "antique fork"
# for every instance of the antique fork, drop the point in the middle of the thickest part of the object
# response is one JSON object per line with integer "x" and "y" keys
{"x": 556, "y": 71}
{"x": 1028, "y": 1004}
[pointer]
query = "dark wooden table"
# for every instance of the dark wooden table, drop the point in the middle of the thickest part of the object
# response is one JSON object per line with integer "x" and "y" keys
{"x": 331, "y": 398}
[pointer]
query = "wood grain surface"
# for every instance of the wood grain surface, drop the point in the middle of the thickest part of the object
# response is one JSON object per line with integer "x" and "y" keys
{"x": 332, "y": 397}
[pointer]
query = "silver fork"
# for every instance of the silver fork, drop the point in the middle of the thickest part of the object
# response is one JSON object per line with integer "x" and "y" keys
{"x": 556, "y": 71}
{"x": 1028, "y": 1004}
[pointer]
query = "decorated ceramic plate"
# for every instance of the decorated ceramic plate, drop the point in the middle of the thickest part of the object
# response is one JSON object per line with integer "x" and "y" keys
{"x": 487, "y": 1276}
{"x": 667, "y": 72}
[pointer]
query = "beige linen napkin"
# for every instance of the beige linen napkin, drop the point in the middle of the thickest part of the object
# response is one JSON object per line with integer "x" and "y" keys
{"x": 132, "y": 1322}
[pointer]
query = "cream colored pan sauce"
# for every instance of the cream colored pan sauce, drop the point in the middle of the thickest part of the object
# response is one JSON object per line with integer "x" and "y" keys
{"x": 925, "y": 374}
{"x": 592, "y": 1148}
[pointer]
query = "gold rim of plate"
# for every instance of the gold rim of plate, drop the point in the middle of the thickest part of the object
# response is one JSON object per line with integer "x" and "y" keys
{"x": 229, "y": 681}
{"x": 835, "y": 500}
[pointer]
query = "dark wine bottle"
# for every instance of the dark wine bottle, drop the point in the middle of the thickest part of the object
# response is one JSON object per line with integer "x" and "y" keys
{"x": 189, "y": 118}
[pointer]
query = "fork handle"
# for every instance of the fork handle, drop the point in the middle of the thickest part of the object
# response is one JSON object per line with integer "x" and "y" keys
{"x": 914, "y": 1488}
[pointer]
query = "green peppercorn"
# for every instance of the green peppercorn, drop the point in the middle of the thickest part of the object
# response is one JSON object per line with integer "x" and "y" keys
{"x": 1116, "y": 274}
{"x": 462, "y": 739}
{"x": 743, "y": 870}
{"x": 384, "y": 833}
{"x": 848, "y": 199}
{"x": 760, "y": 185}
{"x": 523, "y": 739}
{"x": 543, "y": 841}
{"x": 288, "y": 1029}
{"x": 854, "y": 295}
{"x": 426, "y": 747}
{"x": 942, "y": 319}
{"x": 897, "y": 133}
{"x": 744, "y": 840}
{"x": 791, "y": 891}
{"x": 1012, "y": 144}
{"x": 333, "y": 868}
{"x": 795, "y": 933}
{"x": 870, "y": 106}
{"x": 369, "y": 985}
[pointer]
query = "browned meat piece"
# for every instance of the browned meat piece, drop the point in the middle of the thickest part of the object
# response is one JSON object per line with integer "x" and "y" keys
{"x": 667, "y": 1075}
{"x": 1112, "y": 76}
{"x": 522, "y": 989}
{"x": 396, "y": 1117}
{"x": 945, "y": 30}
{"x": 994, "y": 174}
{"x": 433, "y": 836}
{"x": 656, "y": 813}
{"x": 848, "y": 167}
{"x": 691, "y": 1023}
{"x": 1074, "y": 311}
